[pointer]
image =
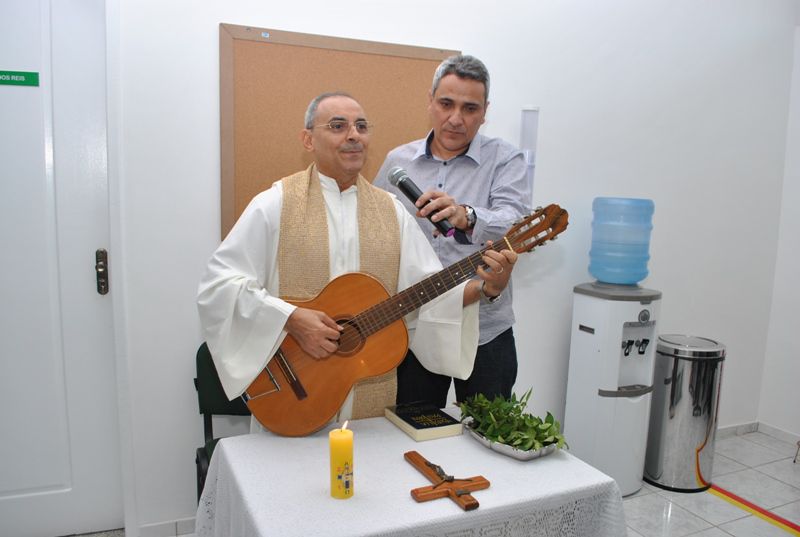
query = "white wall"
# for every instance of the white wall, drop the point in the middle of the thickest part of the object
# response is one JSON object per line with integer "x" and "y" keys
{"x": 780, "y": 398}
{"x": 683, "y": 102}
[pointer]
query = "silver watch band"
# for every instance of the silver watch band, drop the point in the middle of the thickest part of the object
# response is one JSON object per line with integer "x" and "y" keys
{"x": 471, "y": 216}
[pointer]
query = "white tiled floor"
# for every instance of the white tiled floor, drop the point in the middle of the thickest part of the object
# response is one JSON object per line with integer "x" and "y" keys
{"x": 755, "y": 466}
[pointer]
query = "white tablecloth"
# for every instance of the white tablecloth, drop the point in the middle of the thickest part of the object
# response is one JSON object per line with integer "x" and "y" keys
{"x": 264, "y": 485}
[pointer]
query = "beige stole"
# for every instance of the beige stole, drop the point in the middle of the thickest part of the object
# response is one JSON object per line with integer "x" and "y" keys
{"x": 304, "y": 263}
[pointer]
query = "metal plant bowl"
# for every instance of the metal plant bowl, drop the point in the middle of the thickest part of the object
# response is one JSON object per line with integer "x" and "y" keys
{"x": 511, "y": 451}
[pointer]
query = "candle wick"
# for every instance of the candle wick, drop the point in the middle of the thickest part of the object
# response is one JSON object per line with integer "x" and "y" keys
{"x": 345, "y": 425}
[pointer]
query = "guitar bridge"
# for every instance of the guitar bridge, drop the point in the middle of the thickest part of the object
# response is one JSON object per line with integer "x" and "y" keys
{"x": 277, "y": 387}
{"x": 288, "y": 372}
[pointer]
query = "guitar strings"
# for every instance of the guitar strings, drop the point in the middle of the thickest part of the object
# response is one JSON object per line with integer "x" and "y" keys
{"x": 388, "y": 311}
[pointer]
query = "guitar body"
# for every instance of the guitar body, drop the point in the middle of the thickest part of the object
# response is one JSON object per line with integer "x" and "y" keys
{"x": 296, "y": 395}
{"x": 325, "y": 383}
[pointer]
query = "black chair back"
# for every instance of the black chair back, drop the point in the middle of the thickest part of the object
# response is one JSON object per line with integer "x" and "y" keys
{"x": 211, "y": 401}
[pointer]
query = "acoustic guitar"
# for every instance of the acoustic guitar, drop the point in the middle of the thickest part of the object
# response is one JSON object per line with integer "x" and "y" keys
{"x": 296, "y": 395}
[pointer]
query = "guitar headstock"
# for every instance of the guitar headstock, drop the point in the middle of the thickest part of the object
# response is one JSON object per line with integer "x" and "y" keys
{"x": 541, "y": 226}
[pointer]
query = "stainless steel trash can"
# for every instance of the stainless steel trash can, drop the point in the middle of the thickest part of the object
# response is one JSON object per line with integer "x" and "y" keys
{"x": 683, "y": 413}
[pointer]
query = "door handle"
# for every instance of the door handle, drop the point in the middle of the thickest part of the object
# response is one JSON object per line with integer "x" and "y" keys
{"x": 634, "y": 390}
{"x": 101, "y": 270}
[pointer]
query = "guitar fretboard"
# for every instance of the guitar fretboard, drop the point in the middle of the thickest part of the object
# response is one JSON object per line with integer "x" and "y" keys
{"x": 419, "y": 294}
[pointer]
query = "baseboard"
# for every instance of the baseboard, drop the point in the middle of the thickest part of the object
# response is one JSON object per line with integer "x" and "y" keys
{"x": 744, "y": 428}
{"x": 780, "y": 434}
{"x": 736, "y": 430}
{"x": 175, "y": 528}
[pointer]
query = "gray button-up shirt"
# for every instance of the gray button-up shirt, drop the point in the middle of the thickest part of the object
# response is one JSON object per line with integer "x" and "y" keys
{"x": 490, "y": 176}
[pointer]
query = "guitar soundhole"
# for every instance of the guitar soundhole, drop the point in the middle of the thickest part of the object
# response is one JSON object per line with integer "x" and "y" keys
{"x": 350, "y": 340}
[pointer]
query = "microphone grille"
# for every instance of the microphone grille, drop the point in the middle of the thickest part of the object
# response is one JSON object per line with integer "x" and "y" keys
{"x": 396, "y": 174}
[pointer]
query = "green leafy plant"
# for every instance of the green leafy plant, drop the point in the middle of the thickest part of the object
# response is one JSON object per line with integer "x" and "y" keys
{"x": 505, "y": 421}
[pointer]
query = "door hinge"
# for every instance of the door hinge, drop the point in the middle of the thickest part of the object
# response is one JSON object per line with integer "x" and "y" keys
{"x": 101, "y": 270}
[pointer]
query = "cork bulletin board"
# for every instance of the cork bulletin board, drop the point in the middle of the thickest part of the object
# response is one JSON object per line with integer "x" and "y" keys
{"x": 267, "y": 79}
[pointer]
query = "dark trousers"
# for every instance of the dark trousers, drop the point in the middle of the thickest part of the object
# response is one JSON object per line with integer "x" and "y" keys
{"x": 494, "y": 374}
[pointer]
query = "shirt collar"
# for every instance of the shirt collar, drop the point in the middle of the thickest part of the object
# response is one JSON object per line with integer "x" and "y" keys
{"x": 329, "y": 183}
{"x": 473, "y": 151}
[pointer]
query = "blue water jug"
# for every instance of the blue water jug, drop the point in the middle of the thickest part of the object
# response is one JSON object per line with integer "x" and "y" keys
{"x": 620, "y": 239}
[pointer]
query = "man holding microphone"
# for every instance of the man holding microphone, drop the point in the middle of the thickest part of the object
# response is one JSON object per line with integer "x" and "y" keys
{"x": 478, "y": 186}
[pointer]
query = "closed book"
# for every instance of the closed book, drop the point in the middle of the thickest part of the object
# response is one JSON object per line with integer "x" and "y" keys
{"x": 423, "y": 421}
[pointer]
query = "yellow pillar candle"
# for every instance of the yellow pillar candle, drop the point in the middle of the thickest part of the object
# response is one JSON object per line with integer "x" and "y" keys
{"x": 341, "y": 446}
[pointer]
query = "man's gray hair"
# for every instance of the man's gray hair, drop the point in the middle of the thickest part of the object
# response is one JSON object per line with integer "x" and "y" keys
{"x": 311, "y": 111}
{"x": 463, "y": 66}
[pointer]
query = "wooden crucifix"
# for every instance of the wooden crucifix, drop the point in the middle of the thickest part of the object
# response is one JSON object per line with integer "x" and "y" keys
{"x": 457, "y": 489}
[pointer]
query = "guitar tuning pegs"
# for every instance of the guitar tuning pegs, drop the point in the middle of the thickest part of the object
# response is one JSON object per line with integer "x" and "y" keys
{"x": 539, "y": 208}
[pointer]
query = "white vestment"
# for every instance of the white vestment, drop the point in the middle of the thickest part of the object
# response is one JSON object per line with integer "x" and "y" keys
{"x": 243, "y": 319}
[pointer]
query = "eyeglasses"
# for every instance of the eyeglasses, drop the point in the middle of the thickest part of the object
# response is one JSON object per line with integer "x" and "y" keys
{"x": 339, "y": 126}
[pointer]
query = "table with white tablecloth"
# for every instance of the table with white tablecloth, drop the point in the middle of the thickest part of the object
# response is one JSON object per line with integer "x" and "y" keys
{"x": 265, "y": 485}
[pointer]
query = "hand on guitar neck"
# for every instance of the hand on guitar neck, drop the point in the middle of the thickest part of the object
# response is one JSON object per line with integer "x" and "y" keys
{"x": 315, "y": 332}
{"x": 494, "y": 274}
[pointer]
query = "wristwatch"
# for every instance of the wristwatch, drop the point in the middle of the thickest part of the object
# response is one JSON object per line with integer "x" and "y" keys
{"x": 486, "y": 298}
{"x": 471, "y": 216}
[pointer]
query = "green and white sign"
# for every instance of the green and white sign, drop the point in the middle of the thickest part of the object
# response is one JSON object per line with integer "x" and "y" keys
{"x": 18, "y": 78}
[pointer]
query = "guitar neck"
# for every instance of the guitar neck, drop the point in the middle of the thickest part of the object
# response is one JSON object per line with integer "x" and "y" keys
{"x": 410, "y": 299}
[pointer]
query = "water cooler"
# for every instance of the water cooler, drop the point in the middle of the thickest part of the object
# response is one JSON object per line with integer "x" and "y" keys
{"x": 612, "y": 345}
{"x": 611, "y": 363}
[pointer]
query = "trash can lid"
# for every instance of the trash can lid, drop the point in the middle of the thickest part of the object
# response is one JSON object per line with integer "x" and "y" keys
{"x": 690, "y": 346}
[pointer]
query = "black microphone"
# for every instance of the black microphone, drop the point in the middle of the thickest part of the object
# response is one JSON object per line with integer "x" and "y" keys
{"x": 399, "y": 178}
